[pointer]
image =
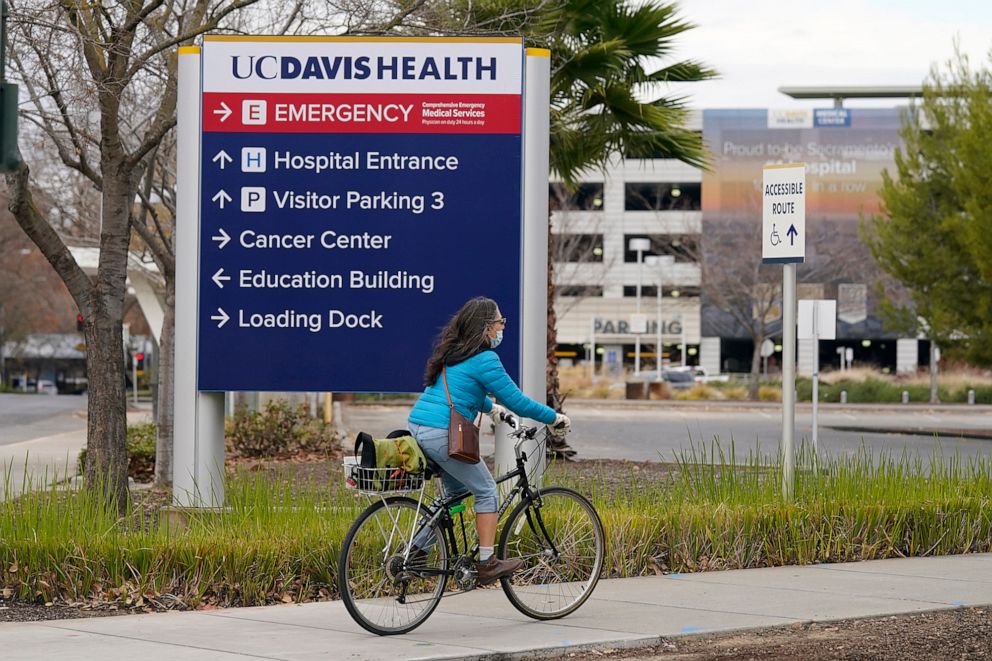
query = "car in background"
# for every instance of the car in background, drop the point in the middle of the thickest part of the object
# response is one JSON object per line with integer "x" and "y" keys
{"x": 700, "y": 375}
{"x": 46, "y": 387}
{"x": 675, "y": 379}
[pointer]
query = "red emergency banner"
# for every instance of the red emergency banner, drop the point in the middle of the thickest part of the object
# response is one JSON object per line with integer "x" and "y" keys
{"x": 361, "y": 113}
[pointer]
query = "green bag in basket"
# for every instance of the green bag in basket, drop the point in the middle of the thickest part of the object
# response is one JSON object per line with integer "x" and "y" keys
{"x": 398, "y": 450}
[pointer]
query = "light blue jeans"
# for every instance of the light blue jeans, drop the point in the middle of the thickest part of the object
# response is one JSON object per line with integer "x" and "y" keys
{"x": 457, "y": 476}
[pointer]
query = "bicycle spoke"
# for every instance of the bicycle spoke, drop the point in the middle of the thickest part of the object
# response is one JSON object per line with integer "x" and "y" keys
{"x": 373, "y": 573}
{"x": 562, "y": 545}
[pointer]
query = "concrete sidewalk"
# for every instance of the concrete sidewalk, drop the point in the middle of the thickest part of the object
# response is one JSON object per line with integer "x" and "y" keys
{"x": 37, "y": 463}
{"x": 482, "y": 624}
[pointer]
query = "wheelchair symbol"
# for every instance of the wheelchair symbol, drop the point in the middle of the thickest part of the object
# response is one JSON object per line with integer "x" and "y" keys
{"x": 775, "y": 238}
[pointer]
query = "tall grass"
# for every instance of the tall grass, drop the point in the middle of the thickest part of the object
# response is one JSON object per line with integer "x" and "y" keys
{"x": 275, "y": 540}
{"x": 721, "y": 510}
{"x": 278, "y": 540}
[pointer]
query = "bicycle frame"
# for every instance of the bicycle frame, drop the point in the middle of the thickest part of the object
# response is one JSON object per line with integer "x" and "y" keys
{"x": 440, "y": 509}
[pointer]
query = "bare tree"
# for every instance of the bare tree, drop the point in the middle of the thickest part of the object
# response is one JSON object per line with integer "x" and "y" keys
{"x": 747, "y": 295}
{"x": 100, "y": 80}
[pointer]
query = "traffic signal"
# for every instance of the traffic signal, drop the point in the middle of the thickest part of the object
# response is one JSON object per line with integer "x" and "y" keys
{"x": 80, "y": 324}
{"x": 139, "y": 359}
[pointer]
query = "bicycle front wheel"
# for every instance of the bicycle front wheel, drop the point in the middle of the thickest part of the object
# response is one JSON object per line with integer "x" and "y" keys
{"x": 560, "y": 539}
{"x": 385, "y": 592}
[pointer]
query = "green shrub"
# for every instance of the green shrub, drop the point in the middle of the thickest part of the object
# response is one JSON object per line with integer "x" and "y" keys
{"x": 141, "y": 441}
{"x": 983, "y": 394}
{"x": 770, "y": 393}
{"x": 280, "y": 429}
{"x": 700, "y": 391}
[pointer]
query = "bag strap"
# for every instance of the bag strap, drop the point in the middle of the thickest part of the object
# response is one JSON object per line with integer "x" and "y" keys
{"x": 445, "y": 379}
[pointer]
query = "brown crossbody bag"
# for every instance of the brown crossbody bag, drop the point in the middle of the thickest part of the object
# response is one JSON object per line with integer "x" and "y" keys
{"x": 463, "y": 435}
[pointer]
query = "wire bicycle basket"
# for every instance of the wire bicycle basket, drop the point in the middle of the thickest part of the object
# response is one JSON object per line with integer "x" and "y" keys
{"x": 377, "y": 481}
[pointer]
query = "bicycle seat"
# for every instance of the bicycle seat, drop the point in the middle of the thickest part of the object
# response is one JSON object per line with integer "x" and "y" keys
{"x": 433, "y": 470}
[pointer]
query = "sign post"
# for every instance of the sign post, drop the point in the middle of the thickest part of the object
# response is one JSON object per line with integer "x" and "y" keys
{"x": 783, "y": 241}
{"x": 817, "y": 321}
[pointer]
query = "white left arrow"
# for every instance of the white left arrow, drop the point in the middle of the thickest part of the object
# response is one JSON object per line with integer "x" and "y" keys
{"x": 219, "y": 278}
{"x": 223, "y": 157}
{"x": 224, "y": 111}
{"x": 221, "y": 317}
{"x": 221, "y": 198}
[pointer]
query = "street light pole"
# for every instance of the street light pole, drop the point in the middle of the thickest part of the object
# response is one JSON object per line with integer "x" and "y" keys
{"x": 637, "y": 337}
{"x": 640, "y": 246}
{"x": 661, "y": 262}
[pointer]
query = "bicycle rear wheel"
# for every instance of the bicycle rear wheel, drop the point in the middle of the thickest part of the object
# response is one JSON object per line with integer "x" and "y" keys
{"x": 382, "y": 592}
{"x": 560, "y": 538}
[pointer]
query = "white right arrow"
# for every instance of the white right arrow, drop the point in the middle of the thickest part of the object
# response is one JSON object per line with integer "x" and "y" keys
{"x": 223, "y": 111}
{"x": 219, "y": 278}
{"x": 221, "y": 197}
{"x": 223, "y": 157}
{"x": 221, "y": 317}
{"x": 222, "y": 239}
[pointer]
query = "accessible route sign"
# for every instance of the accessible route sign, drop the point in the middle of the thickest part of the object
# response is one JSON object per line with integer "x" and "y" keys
{"x": 354, "y": 193}
{"x": 783, "y": 217}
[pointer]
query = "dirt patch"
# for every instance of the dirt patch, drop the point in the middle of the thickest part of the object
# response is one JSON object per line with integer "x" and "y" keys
{"x": 963, "y": 633}
{"x": 17, "y": 611}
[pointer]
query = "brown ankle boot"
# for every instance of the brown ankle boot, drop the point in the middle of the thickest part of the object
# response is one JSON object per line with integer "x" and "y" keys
{"x": 494, "y": 568}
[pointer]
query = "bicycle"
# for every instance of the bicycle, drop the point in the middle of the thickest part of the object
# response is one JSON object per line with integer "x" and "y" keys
{"x": 388, "y": 590}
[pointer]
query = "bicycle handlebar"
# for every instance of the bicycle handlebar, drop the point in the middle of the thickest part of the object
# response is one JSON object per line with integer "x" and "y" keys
{"x": 522, "y": 433}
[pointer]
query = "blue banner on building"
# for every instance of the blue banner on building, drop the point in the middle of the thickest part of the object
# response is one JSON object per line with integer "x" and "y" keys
{"x": 832, "y": 117}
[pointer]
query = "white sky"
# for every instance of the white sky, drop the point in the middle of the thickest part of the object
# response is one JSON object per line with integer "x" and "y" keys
{"x": 759, "y": 45}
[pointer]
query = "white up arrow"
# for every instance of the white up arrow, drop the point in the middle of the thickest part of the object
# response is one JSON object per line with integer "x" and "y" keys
{"x": 221, "y": 198}
{"x": 219, "y": 278}
{"x": 223, "y": 111}
{"x": 221, "y": 318}
{"x": 222, "y": 239}
{"x": 223, "y": 157}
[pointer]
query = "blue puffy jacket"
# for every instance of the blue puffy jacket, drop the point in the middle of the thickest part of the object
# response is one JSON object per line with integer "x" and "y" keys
{"x": 469, "y": 382}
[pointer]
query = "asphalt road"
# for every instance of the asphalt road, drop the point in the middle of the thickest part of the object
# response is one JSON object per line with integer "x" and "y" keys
{"x": 29, "y": 416}
{"x": 658, "y": 433}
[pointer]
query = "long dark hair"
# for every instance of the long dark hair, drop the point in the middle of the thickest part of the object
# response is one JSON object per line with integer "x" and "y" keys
{"x": 462, "y": 337}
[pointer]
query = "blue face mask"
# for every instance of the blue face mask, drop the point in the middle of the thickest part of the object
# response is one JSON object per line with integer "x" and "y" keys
{"x": 493, "y": 343}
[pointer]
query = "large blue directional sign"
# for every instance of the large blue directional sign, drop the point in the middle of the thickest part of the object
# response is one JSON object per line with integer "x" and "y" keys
{"x": 354, "y": 194}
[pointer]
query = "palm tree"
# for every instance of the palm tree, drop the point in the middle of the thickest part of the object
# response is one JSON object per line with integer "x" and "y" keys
{"x": 604, "y": 85}
{"x": 602, "y": 61}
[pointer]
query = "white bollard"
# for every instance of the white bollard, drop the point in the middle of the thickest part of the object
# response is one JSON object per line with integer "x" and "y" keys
{"x": 843, "y": 397}
{"x": 971, "y": 396}
{"x": 905, "y": 397}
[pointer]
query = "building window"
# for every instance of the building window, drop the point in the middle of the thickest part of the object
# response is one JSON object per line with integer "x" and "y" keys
{"x": 668, "y": 291}
{"x": 663, "y": 197}
{"x": 585, "y": 197}
{"x": 685, "y": 248}
{"x": 577, "y": 247}
{"x": 579, "y": 291}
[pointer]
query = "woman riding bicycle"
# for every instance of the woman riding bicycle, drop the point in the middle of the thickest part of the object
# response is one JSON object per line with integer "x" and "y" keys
{"x": 464, "y": 349}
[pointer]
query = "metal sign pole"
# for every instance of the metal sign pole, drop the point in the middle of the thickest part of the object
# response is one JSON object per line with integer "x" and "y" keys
{"x": 198, "y": 452}
{"x": 816, "y": 371}
{"x": 788, "y": 378}
{"x": 534, "y": 294}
